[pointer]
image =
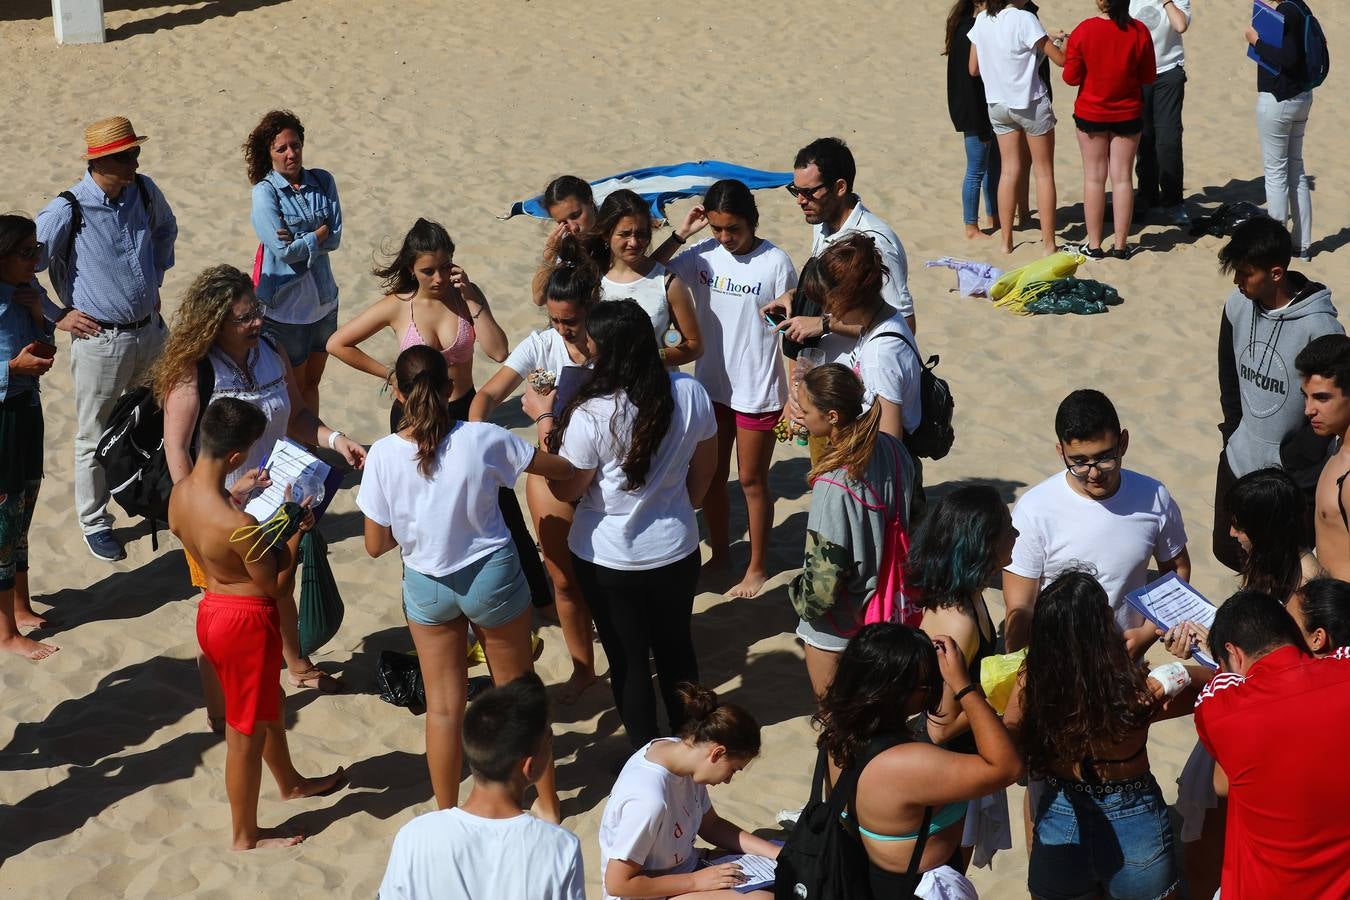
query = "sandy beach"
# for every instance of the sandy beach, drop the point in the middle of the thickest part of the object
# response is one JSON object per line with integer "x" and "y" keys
{"x": 111, "y": 784}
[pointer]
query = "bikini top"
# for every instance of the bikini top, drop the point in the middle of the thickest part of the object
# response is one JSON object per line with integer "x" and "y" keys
{"x": 944, "y": 818}
{"x": 461, "y": 351}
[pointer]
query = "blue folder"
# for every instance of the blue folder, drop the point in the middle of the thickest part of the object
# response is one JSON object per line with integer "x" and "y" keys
{"x": 1269, "y": 26}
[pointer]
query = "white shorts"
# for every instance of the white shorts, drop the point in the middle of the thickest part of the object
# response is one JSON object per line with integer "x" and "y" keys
{"x": 1036, "y": 120}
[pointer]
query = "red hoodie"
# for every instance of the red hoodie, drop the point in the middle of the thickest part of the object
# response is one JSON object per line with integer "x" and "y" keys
{"x": 1111, "y": 67}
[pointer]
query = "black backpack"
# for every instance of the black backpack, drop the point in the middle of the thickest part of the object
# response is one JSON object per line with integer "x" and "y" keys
{"x": 131, "y": 452}
{"x": 935, "y": 435}
{"x": 823, "y": 859}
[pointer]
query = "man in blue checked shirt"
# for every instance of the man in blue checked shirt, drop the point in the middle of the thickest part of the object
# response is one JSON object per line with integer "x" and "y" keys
{"x": 108, "y": 241}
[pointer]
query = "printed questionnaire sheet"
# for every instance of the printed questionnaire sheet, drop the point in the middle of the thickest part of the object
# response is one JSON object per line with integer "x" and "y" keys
{"x": 288, "y": 463}
{"x": 758, "y": 870}
{"x": 1169, "y": 601}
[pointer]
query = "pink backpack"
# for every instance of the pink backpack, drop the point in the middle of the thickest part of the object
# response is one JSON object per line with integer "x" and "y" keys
{"x": 890, "y": 602}
{"x": 257, "y": 265}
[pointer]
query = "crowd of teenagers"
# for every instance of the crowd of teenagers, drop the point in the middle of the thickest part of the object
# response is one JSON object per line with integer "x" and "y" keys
{"x": 913, "y": 759}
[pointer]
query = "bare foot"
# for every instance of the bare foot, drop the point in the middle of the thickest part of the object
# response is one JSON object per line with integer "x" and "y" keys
{"x": 317, "y": 787}
{"x": 973, "y": 233}
{"x": 570, "y": 691}
{"x": 26, "y": 618}
{"x": 28, "y": 647}
{"x": 750, "y": 585}
{"x": 1051, "y": 250}
{"x": 549, "y": 813}
{"x": 268, "y": 843}
{"x": 316, "y": 678}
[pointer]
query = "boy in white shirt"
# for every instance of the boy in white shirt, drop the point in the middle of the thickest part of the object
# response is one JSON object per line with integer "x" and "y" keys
{"x": 488, "y": 847}
{"x": 1096, "y": 512}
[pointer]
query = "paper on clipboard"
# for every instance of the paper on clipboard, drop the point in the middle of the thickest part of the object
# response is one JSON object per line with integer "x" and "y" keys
{"x": 288, "y": 463}
{"x": 1169, "y": 601}
{"x": 758, "y": 870}
{"x": 1269, "y": 26}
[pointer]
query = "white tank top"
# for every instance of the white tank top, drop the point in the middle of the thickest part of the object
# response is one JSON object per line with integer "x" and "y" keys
{"x": 649, "y": 292}
{"x": 264, "y": 386}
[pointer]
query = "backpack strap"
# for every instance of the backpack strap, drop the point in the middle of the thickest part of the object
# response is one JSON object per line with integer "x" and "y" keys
{"x": 76, "y": 223}
{"x": 916, "y": 857}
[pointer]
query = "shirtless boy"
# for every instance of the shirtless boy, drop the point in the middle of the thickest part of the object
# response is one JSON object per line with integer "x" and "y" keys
{"x": 1324, "y": 369}
{"x": 237, "y": 623}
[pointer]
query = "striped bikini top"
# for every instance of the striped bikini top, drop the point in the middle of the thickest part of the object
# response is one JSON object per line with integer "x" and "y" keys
{"x": 461, "y": 351}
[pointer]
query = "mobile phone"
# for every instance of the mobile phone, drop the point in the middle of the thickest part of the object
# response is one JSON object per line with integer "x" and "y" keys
{"x": 44, "y": 350}
{"x": 774, "y": 319}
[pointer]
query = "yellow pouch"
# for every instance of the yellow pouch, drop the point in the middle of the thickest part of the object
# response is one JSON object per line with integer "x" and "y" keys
{"x": 998, "y": 675}
{"x": 1020, "y": 286}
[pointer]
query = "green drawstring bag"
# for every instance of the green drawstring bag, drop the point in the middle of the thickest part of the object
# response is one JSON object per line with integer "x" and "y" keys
{"x": 1078, "y": 296}
{"x": 321, "y": 607}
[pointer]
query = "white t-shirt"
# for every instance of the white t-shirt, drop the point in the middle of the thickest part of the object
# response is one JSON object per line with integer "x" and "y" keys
{"x": 652, "y": 818}
{"x": 886, "y": 365}
{"x": 649, "y": 292}
{"x": 1006, "y": 46}
{"x": 654, "y": 525}
{"x": 453, "y": 855}
{"x": 741, "y": 365}
{"x": 895, "y": 286}
{"x": 445, "y": 522}
{"x": 1167, "y": 46}
{"x": 1059, "y": 529}
{"x": 547, "y": 350}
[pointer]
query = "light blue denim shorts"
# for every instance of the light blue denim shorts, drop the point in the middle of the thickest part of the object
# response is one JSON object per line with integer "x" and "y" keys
{"x": 299, "y": 341}
{"x": 490, "y": 591}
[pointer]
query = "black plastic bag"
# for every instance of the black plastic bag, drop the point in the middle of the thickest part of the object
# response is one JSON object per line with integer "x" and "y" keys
{"x": 1224, "y": 220}
{"x": 400, "y": 679}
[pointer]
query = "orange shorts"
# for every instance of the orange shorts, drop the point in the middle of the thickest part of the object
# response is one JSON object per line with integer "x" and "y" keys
{"x": 241, "y": 636}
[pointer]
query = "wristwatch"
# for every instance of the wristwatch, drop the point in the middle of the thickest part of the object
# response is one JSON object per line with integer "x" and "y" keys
{"x": 825, "y": 324}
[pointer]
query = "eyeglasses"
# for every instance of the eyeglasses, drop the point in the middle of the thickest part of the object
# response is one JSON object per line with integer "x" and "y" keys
{"x": 808, "y": 193}
{"x": 126, "y": 156}
{"x": 1108, "y": 462}
{"x": 31, "y": 253}
{"x": 254, "y": 314}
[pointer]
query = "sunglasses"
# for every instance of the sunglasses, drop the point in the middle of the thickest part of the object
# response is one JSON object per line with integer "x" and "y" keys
{"x": 808, "y": 193}
{"x": 126, "y": 156}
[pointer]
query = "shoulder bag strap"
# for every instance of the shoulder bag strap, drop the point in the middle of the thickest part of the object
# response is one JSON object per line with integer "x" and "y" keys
{"x": 916, "y": 859}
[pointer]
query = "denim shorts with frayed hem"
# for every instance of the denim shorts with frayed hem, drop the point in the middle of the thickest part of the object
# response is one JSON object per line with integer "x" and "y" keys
{"x": 1112, "y": 840}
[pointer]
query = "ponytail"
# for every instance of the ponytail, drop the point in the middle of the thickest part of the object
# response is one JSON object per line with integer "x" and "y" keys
{"x": 834, "y": 387}
{"x": 707, "y": 720}
{"x": 424, "y": 381}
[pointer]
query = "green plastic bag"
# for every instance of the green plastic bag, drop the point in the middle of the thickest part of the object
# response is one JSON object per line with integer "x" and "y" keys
{"x": 321, "y": 608}
{"x": 1081, "y": 296}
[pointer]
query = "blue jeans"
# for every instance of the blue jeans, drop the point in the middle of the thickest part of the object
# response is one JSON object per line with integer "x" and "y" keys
{"x": 982, "y": 169}
{"x": 1117, "y": 844}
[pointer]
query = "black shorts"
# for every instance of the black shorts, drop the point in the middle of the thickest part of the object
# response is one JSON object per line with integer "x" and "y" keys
{"x": 1128, "y": 128}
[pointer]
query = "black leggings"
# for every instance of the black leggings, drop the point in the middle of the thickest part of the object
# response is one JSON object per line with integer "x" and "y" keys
{"x": 640, "y": 615}
{"x": 530, "y": 563}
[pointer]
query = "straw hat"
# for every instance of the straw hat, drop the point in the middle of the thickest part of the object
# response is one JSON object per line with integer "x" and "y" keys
{"x": 111, "y": 135}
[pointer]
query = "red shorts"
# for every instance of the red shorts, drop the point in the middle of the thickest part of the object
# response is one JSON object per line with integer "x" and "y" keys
{"x": 764, "y": 421}
{"x": 241, "y": 636}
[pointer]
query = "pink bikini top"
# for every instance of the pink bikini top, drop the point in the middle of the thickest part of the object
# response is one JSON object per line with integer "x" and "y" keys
{"x": 461, "y": 351}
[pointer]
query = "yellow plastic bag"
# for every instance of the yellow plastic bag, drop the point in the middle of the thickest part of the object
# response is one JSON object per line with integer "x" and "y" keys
{"x": 998, "y": 675}
{"x": 1020, "y": 286}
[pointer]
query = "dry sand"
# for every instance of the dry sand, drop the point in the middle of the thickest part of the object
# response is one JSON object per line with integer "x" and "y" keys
{"x": 112, "y": 785}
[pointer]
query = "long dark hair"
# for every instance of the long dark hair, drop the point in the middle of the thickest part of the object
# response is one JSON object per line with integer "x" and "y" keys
{"x": 961, "y": 10}
{"x": 879, "y": 672}
{"x": 424, "y": 381}
{"x": 425, "y": 236}
{"x": 732, "y": 197}
{"x": 619, "y": 205}
{"x": 567, "y": 187}
{"x": 1082, "y": 688}
{"x": 627, "y": 362}
{"x": 1268, "y": 506}
{"x": 1118, "y": 11}
{"x": 1325, "y": 603}
{"x": 258, "y": 144}
{"x": 14, "y": 230}
{"x": 575, "y": 275}
{"x": 953, "y": 553}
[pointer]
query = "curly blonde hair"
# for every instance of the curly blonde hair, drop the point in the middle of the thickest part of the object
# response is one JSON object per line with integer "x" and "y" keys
{"x": 197, "y": 324}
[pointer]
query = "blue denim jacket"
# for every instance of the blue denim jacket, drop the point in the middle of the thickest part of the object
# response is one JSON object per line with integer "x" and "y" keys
{"x": 303, "y": 211}
{"x": 17, "y": 330}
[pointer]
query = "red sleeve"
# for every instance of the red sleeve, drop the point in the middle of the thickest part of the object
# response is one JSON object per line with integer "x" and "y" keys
{"x": 1074, "y": 66}
{"x": 1148, "y": 62}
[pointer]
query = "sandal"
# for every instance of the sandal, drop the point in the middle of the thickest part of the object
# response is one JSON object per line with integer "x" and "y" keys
{"x": 315, "y": 678}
